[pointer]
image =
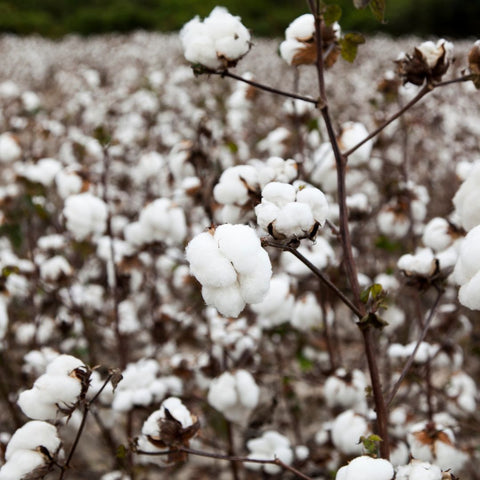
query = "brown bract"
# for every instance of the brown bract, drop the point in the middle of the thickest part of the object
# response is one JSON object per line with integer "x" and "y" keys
{"x": 474, "y": 63}
{"x": 307, "y": 55}
{"x": 415, "y": 68}
{"x": 171, "y": 435}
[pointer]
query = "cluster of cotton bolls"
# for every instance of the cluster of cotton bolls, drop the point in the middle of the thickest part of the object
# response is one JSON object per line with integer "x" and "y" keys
{"x": 230, "y": 276}
{"x": 113, "y": 160}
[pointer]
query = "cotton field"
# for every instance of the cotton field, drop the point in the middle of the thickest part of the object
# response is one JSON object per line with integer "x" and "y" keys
{"x": 177, "y": 298}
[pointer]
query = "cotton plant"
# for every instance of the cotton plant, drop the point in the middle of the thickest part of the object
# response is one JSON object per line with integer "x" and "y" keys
{"x": 57, "y": 391}
{"x": 170, "y": 426}
{"x": 235, "y": 395}
{"x": 269, "y": 446}
{"x": 366, "y": 468}
{"x": 217, "y": 42}
{"x": 288, "y": 211}
{"x": 431, "y": 442}
{"x": 31, "y": 451}
{"x": 231, "y": 266}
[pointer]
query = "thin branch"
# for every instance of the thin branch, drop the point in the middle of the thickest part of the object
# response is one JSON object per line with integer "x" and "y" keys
{"x": 410, "y": 360}
{"x": 317, "y": 272}
{"x": 261, "y": 86}
{"x": 229, "y": 458}
{"x": 427, "y": 88}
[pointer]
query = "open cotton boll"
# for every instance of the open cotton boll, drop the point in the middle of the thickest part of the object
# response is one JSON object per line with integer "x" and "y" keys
{"x": 32, "y": 435}
{"x": 255, "y": 285}
{"x": 64, "y": 365}
{"x": 346, "y": 390}
{"x": 234, "y": 395}
{"x": 463, "y": 389}
{"x": 21, "y": 464}
{"x": 57, "y": 389}
{"x": 347, "y": 429}
{"x": 216, "y": 43}
{"x": 43, "y": 172}
{"x": 234, "y": 185}
{"x": 85, "y": 215}
{"x": 306, "y": 313}
{"x": 294, "y": 219}
{"x": 421, "y": 263}
{"x": 417, "y": 470}
{"x": 436, "y": 234}
{"x": 10, "y": 150}
{"x": 366, "y": 468}
{"x": 54, "y": 268}
{"x": 269, "y": 446}
{"x": 352, "y": 134}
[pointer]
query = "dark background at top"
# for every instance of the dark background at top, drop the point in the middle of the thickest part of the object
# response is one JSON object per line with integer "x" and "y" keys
{"x": 54, "y": 18}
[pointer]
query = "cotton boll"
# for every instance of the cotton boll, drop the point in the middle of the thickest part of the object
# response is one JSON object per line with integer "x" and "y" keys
{"x": 54, "y": 268}
{"x": 68, "y": 183}
{"x": 248, "y": 391}
{"x": 57, "y": 389}
{"x": 269, "y": 446}
{"x": 266, "y": 213}
{"x": 32, "y": 406}
{"x": 306, "y": 313}
{"x": 85, "y": 215}
{"x": 302, "y": 28}
{"x": 347, "y": 429}
{"x": 366, "y": 468}
{"x": 417, "y": 470}
{"x": 64, "y": 365}
{"x": 352, "y": 134}
{"x": 393, "y": 223}
{"x": 294, "y": 219}
{"x": 436, "y": 234}
{"x": 32, "y": 435}
{"x": 255, "y": 285}
{"x": 346, "y": 390}
{"x": 21, "y": 464}
{"x": 234, "y": 185}
{"x": 422, "y": 263}
{"x": 10, "y": 150}
{"x": 463, "y": 389}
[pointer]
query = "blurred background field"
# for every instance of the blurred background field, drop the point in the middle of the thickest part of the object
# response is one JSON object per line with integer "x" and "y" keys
{"x": 268, "y": 18}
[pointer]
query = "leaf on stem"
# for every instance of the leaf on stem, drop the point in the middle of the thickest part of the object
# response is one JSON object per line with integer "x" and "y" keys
{"x": 332, "y": 14}
{"x": 376, "y": 6}
{"x": 349, "y": 45}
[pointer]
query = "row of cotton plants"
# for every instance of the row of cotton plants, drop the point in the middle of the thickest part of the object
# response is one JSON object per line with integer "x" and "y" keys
{"x": 192, "y": 285}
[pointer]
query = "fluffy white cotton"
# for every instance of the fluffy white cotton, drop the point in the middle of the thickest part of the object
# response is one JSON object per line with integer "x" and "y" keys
{"x": 9, "y": 148}
{"x": 436, "y": 234}
{"x": 432, "y": 52}
{"x": 366, "y": 468}
{"x": 421, "y": 263}
{"x": 347, "y": 429}
{"x": 302, "y": 28}
{"x": 232, "y": 267}
{"x": 467, "y": 270}
{"x": 55, "y": 268}
{"x": 417, "y": 470}
{"x": 290, "y": 211}
{"x": 424, "y": 352}
{"x": 85, "y": 215}
{"x": 346, "y": 390}
{"x": 434, "y": 443}
{"x": 235, "y": 395}
{"x": 58, "y": 388}
{"x": 467, "y": 200}
{"x": 43, "y": 172}
{"x": 217, "y": 42}
{"x": 306, "y": 313}
{"x": 276, "y": 308}
{"x": 269, "y": 446}
{"x": 463, "y": 389}
{"x": 160, "y": 221}
{"x": 352, "y": 134}
{"x": 21, "y": 463}
{"x": 234, "y": 185}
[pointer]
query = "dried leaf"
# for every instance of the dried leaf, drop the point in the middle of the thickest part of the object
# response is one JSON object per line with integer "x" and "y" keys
{"x": 378, "y": 9}
{"x": 116, "y": 377}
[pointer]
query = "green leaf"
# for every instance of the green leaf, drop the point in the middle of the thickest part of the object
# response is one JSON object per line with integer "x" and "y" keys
{"x": 121, "y": 452}
{"x": 378, "y": 9}
{"x": 332, "y": 14}
{"x": 349, "y": 45}
{"x": 365, "y": 294}
{"x": 371, "y": 444}
{"x": 375, "y": 290}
